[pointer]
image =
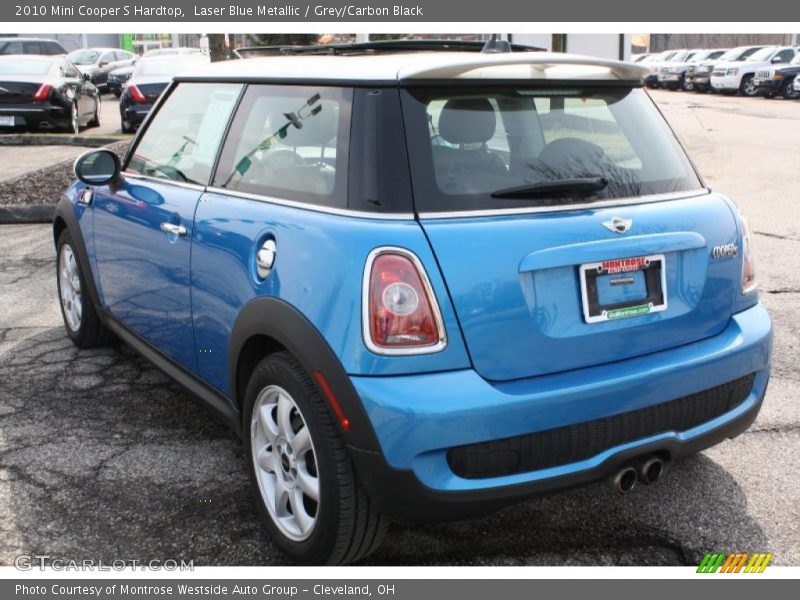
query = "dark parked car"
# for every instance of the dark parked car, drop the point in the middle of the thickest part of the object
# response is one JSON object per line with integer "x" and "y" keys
{"x": 18, "y": 45}
{"x": 97, "y": 63}
{"x": 117, "y": 80}
{"x": 779, "y": 79}
{"x": 45, "y": 92}
{"x": 150, "y": 77}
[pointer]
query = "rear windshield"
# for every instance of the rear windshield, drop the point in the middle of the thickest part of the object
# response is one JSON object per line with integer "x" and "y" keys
{"x": 469, "y": 147}
{"x": 24, "y": 66}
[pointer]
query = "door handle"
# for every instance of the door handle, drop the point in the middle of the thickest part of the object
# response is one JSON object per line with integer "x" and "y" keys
{"x": 173, "y": 229}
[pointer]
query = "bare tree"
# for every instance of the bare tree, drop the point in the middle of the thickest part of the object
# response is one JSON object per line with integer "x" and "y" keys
{"x": 216, "y": 47}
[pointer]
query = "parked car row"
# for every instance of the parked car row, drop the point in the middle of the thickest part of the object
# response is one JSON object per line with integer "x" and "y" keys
{"x": 44, "y": 88}
{"x": 767, "y": 71}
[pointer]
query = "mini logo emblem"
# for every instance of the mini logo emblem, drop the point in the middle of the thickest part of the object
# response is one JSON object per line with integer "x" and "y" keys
{"x": 618, "y": 225}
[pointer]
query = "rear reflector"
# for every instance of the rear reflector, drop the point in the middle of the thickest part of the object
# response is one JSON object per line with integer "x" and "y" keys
{"x": 401, "y": 314}
{"x": 43, "y": 93}
{"x": 334, "y": 403}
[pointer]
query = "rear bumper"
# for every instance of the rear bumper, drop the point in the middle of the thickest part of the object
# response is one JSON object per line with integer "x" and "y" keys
{"x": 35, "y": 116}
{"x": 418, "y": 418}
{"x": 136, "y": 113}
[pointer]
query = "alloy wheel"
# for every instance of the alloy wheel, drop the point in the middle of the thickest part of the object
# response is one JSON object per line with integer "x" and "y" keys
{"x": 69, "y": 284}
{"x": 285, "y": 463}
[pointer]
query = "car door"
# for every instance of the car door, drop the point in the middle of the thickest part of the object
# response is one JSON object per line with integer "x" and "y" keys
{"x": 104, "y": 67}
{"x": 81, "y": 92}
{"x": 144, "y": 224}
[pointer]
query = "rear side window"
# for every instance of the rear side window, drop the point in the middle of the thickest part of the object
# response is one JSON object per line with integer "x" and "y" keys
{"x": 471, "y": 148}
{"x": 289, "y": 142}
{"x": 32, "y": 47}
{"x": 182, "y": 139}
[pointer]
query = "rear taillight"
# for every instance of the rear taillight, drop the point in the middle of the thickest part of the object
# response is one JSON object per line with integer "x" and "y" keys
{"x": 749, "y": 281}
{"x": 401, "y": 315}
{"x": 136, "y": 94}
{"x": 43, "y": 93}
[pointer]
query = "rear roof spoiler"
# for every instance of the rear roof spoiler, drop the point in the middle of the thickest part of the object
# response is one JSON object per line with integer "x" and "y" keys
{"x": 523, "y": 66}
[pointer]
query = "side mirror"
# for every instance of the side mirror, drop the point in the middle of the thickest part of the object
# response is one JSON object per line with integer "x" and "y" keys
{"x": 97, "y": 167}
{"x": 103, "y": 64}
{"x": 776, "y": 59}
{"x": 87, "y": 76}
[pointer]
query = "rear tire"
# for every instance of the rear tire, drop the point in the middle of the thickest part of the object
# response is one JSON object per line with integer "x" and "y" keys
{"x": 346, "y": 525}
{"x": 73, "y": 125}
{"x": 124, "y": 125}
{"x": 95, "y": 122}
{"x": 80, "y": 316}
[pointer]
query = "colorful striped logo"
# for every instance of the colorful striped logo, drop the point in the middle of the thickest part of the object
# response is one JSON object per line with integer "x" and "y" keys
{"x": 740, "y": 562}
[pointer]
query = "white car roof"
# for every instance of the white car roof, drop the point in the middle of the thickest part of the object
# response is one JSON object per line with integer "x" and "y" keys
{"x": 421, "y": 66}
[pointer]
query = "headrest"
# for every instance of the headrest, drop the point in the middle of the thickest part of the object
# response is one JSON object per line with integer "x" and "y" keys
{"x": 467, "y": 121}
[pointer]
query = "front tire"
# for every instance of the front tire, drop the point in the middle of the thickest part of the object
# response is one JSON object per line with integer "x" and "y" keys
{"x": 748, "y": 87}
{"x": 80, "y": 316}
{"x": 303, "y": 480}
{"x": 789, "y": 92}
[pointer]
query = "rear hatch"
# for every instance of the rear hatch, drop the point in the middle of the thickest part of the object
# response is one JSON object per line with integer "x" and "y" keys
{"x": 613, "y": 260}
{"x": 517, "y": 285}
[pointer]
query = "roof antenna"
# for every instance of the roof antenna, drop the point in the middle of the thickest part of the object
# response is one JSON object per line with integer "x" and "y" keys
{"x": 495, "y": 46}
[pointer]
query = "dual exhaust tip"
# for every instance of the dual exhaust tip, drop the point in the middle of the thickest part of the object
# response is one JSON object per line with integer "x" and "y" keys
{"x": 647, "y": 470}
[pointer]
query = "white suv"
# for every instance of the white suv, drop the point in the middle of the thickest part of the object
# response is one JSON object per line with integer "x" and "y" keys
{"x": 738, "y": 76}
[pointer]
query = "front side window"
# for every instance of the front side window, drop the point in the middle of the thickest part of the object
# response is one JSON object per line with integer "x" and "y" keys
{"x": 500, "y": 147}
{"x": 182, "y": 139}
{"x": 289, "y": 142}
{"x": 83, "y": 57}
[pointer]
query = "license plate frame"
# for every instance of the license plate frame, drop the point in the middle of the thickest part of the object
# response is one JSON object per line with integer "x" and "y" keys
{"x": 7, "y": 121}
{"x": 655, "y": 272}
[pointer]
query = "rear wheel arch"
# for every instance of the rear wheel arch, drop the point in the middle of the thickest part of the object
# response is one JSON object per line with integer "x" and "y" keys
{"x": 266, "y": 325}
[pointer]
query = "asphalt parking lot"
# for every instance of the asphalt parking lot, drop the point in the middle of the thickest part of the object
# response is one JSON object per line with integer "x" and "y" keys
{"x": 102, "y": 457}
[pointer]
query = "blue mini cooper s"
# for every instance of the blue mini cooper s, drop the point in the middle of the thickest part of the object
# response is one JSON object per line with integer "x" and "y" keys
{"x": 421, "y": 285}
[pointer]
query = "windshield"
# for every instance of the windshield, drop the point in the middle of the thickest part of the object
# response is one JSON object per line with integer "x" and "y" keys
{"x": 167, "y": 68}
{"x": 466, "y": 145}
{"x": 22, "y": 66}
{"x": 763, "y": 55}
{"x": 680, "y": 57}
{"x": 83, "y": 57}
